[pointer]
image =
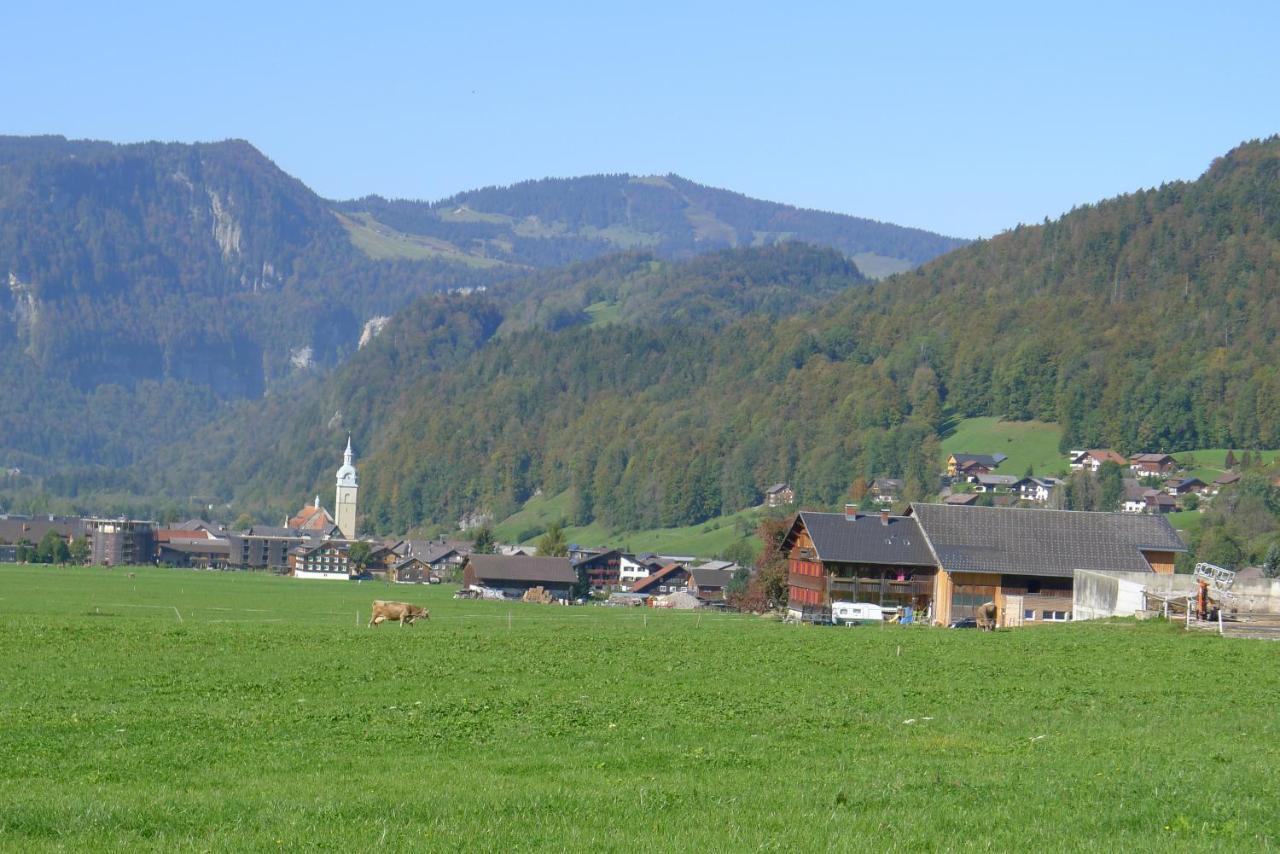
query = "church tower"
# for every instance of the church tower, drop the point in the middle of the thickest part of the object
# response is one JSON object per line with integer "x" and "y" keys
{"x": 345, "y": 512}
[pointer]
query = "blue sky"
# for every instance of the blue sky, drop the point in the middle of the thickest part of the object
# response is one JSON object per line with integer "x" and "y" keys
{"x": 961, "y": 118}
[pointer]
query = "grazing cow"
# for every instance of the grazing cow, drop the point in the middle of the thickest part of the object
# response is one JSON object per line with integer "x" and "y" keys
{"x": 986, "y": 616}
{"x": 400, "y": 611}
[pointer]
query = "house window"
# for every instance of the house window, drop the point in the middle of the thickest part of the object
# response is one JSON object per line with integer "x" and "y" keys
{"x": 1055, "y": 616}
{"x": 1029, "y": 613}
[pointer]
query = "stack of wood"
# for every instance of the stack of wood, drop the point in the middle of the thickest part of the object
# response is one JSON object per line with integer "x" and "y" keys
{"x": 538, "y": 596}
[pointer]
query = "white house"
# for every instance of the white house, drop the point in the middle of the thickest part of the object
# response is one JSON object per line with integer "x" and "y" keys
{"x": 630, "y": 570}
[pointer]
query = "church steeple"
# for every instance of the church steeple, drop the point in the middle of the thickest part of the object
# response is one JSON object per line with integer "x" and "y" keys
{"x": 345, "y": 506}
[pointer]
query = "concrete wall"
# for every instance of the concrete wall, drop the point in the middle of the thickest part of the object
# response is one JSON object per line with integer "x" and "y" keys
{"x": 1120, "y": 594}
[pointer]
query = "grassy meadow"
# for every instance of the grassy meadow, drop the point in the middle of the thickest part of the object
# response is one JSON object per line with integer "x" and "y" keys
{"x": 193, "y": 711}
{"x": 1031, "y": 444}
{"x": 705, "y": 539}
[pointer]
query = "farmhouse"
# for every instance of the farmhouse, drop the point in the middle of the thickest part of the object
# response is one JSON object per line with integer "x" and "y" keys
{"x": 856, "y": 557}
{"x": 517, "y": 574}
{"x": 1024, "y": 560}
{"x": 945, "y": 560}
{"x": 1152, "y": 465}
{"x": 779, "y": 494}
{"x": 971, "y": 465}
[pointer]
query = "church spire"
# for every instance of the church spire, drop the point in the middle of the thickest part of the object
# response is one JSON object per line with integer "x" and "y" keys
{"x": 345, "y": 511}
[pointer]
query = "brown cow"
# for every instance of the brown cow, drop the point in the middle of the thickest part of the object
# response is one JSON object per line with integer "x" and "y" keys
{"x": 986, "y": 616}
{"x": 400, "y": 611}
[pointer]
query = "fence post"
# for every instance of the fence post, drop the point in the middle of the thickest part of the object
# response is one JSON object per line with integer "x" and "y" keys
{"x": 1220, "y": 629}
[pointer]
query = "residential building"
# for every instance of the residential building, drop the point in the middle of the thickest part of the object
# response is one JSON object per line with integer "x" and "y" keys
{"x": 265, "y": 547}
{"x": 603, "y": 567}
{"x": 32, "y": 529}
{"x": 1092, "y": 460}
{"x": 631, "y": 569}
{"x": 1152, "y": 465}
{"x": 856, "y": 557}
{"x": 708, "y": 583}
{"x": 327, "y": 560}
{"x": 1187, "y": 486}
{"x": 973, "y": 464}
{"x": 672, "y": 578}
{"x": 886, "y": 490}
{"x": 996, "y": 482}
{"x": 1035, "y": 489}
{"x": 1135, "y": 496}
{"x": 779, "y": 494}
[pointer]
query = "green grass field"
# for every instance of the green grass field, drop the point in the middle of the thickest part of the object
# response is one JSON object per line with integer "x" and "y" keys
{"x": 1025, "y": 443}
{"x": 706, "y": 539}
{"x": 258, "y": 715}
{"x": 1186, "y": 521}
{"x": 603, "y": 313}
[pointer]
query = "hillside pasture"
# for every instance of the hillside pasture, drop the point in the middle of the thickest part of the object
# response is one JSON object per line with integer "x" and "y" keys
{"x": 705, "y": 539}
{"x": 229, "y": 711}
{"x": 1027, "y": 444}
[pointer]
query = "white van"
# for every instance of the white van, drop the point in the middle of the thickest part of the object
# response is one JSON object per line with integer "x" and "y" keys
{"x": 853, "y": 613}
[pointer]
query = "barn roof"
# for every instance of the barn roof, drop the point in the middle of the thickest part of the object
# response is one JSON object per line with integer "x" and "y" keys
{"x": 866, "y": 539}
{"x": 711, "y": 579}
{"x": 1041, "y": 542}
{"x": 552, "y": 570}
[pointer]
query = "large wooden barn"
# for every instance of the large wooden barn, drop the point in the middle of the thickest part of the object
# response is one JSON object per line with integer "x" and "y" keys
{"x": 945, "y": 560}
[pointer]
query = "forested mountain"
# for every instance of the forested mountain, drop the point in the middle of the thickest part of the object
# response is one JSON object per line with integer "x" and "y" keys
{"x": 557, "y": 221}
{"x": 1144, "y": 322}
{"x": 423, "y": 366}
{"x": 146, "y": 283}
{"x": 146, "y": 286}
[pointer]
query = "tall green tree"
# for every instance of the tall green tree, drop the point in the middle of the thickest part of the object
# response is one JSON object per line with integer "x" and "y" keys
{"x": 553, "y": 543}
{"x": 483, "y": 543}
{"x": 52, "y": 548}
{"x": 79, "y": 550}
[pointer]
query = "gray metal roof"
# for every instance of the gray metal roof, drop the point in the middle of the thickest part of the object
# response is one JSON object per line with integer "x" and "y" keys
{"x": 1041, "y": 542}
{"x": 867, "y": 540}
{"x": 711, "y": 578}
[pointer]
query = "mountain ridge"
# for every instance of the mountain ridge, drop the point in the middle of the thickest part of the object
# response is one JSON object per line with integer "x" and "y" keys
{"x": 180, "y": 277}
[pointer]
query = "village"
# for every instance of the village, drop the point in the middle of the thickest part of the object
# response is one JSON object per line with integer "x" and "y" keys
{"x": 989, "y": 538}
